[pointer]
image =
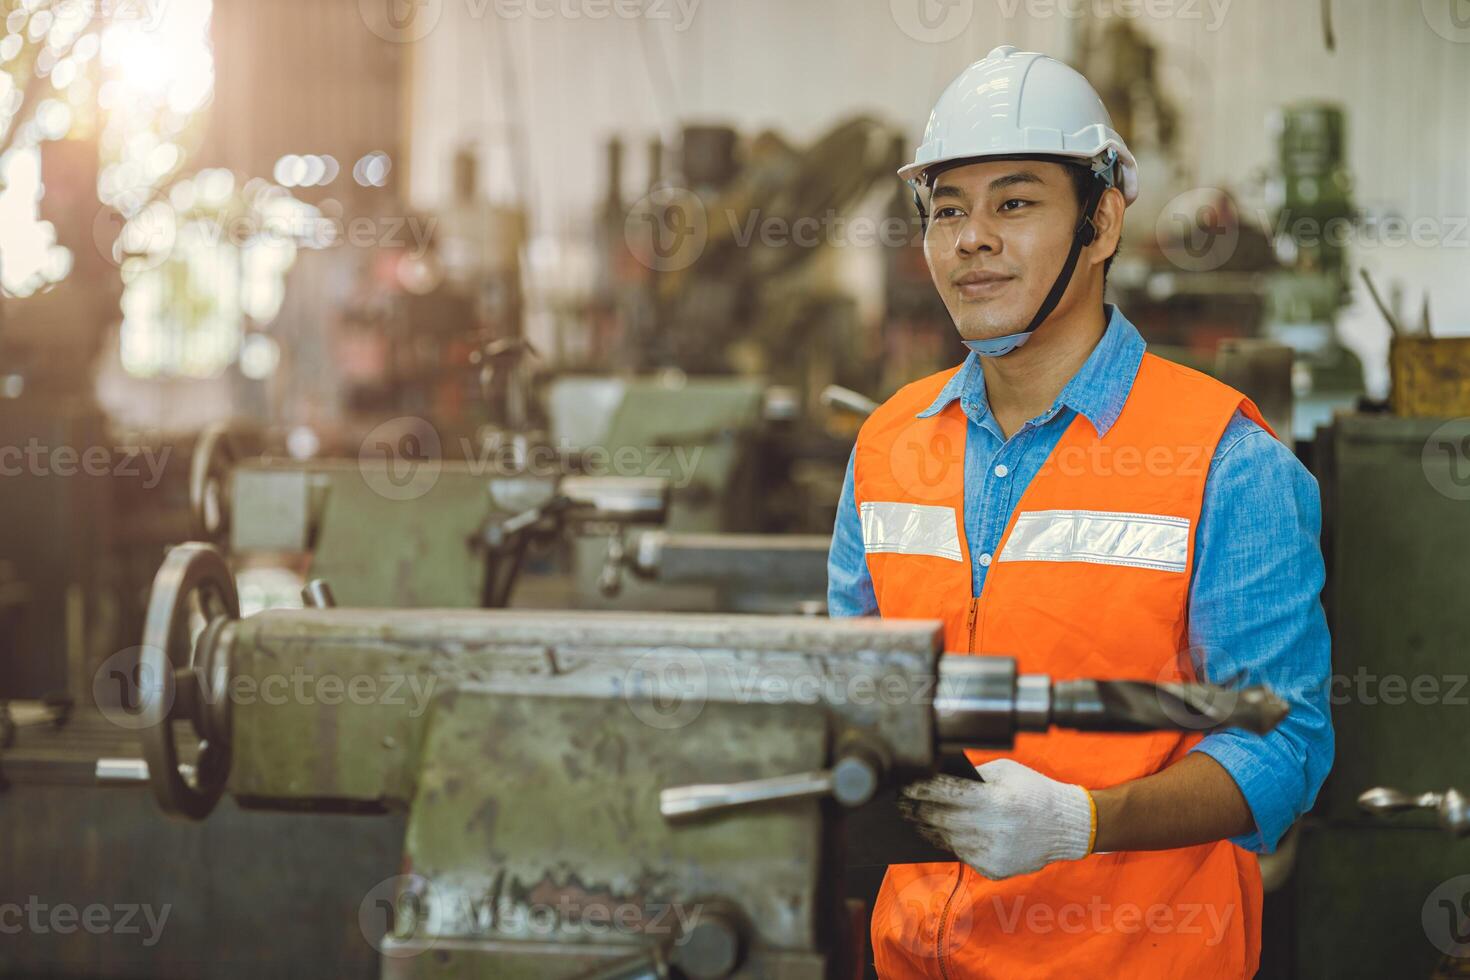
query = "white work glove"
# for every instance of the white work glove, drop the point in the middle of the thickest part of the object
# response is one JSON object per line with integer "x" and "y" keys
{"x": 1013, "y": 823}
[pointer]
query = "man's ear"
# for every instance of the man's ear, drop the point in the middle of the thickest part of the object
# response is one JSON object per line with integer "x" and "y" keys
{"x": 1109, "y": 224}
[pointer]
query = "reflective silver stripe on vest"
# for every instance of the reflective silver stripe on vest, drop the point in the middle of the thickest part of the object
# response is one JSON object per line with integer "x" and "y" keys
{"x": 1100, "y": 536}
{"x": 910, "y": 529}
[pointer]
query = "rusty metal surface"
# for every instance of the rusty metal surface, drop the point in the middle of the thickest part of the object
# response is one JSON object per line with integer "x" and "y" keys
{"x": 537, "y": 820}
{"x": 333, "y": 703}
{"x": 1430, "y": 376}
{"x": 454, "y": 959}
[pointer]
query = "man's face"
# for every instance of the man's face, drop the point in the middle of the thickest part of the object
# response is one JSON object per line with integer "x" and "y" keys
{"x": 998, "y": 233}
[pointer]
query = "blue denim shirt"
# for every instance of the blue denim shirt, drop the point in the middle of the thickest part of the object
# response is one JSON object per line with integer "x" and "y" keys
{"x": 1255, "y": 616}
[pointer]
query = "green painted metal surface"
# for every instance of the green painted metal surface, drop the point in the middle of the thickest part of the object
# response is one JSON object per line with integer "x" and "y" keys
{"x": 1399, "y": 606}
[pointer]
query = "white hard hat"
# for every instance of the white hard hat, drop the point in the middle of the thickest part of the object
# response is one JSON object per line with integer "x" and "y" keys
{"x": 1020, "y": 103}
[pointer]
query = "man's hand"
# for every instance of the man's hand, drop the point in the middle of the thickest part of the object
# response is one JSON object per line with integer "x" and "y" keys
{"x": 1015, "y": 822}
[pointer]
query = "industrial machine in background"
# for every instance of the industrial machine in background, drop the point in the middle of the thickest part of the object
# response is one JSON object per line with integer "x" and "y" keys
{"x": 1311, "y": 192}
{"x": 399, "y": 526}
{"x": 560, "y": 771}
{"x": 1215, "y": 274}
{"x": 1394, "y": 491}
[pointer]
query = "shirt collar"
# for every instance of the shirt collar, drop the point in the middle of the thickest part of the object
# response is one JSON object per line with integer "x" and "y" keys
{"x": 1098, "y": 390}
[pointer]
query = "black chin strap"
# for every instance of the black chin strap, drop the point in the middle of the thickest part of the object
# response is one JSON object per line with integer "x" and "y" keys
{"x": 1084, "y": 235}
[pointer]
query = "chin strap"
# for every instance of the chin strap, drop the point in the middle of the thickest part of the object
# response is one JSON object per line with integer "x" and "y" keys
{"x": 1082, "y": 236}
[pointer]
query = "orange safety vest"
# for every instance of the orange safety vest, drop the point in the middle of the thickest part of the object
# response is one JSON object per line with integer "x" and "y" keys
{"x": 1095, "y": 583}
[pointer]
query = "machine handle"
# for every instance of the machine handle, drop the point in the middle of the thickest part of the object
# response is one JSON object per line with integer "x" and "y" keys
{"x": 853, "y": 781}
{"x": 1451, "y": 806}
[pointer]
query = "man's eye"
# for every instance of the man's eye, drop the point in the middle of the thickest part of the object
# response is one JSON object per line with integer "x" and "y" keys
{"x": 946, "y": 212}
{"x": 1018, "y": 202}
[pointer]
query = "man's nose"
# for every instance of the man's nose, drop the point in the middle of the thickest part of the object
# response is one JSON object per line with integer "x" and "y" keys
{"x": 976, "y": 235}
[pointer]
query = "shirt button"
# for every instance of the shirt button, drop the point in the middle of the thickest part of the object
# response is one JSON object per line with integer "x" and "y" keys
{"x": 1000, "y": 469}
{"x": 985, "y": 560}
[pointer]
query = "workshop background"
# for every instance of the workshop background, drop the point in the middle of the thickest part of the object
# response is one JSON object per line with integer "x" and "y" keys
{"x": 406, "y": 305}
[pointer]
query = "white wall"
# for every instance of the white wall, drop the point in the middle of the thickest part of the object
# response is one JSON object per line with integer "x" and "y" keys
{"x": 571, "y": 80}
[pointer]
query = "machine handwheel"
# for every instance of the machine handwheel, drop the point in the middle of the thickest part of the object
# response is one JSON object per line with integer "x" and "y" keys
{"x": 193, "y": 586}
{"x": 215, "y": 455}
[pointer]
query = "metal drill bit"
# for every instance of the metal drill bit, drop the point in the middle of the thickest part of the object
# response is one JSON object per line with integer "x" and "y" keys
{"x": 1119, "y": 706}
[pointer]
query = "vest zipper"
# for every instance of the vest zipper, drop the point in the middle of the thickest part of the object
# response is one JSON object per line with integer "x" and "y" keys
{"x": 943, "y": 920}
{"x": 970, "y": 625}
{"x": 959, "y": 868}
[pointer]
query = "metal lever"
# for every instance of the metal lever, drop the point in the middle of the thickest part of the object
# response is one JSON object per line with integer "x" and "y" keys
{"x": 852, "y": 782}
{"x": 1451, "y": 806}
{"x": 130, "y": 772}
{"x": 317, "y": 594}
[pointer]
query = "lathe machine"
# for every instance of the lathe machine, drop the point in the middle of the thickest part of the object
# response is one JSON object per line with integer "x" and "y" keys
{"x": 594, "y": 794}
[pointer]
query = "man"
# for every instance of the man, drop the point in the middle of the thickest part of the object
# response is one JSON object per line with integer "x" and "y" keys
{"x": 1068, "y": 499}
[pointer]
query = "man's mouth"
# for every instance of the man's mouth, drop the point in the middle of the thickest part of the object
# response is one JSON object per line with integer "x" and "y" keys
{"x": 981, "y": 285}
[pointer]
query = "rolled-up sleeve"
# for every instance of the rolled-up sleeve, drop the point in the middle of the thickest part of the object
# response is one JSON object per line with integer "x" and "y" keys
{"x": 849, "y": 585}
{"x": 1255, "y": 617}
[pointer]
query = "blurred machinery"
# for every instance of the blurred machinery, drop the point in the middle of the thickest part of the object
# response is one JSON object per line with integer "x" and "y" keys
{"x": 754, "y": 258}
{"x": 1395, "y": 538}
{"x": 1217, "y": 276}
{"x": 562, "y": 771}
{"x": 399, "y": 526}
{"x": 460, "y": 534}
{"x": 1315, "y": 218}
